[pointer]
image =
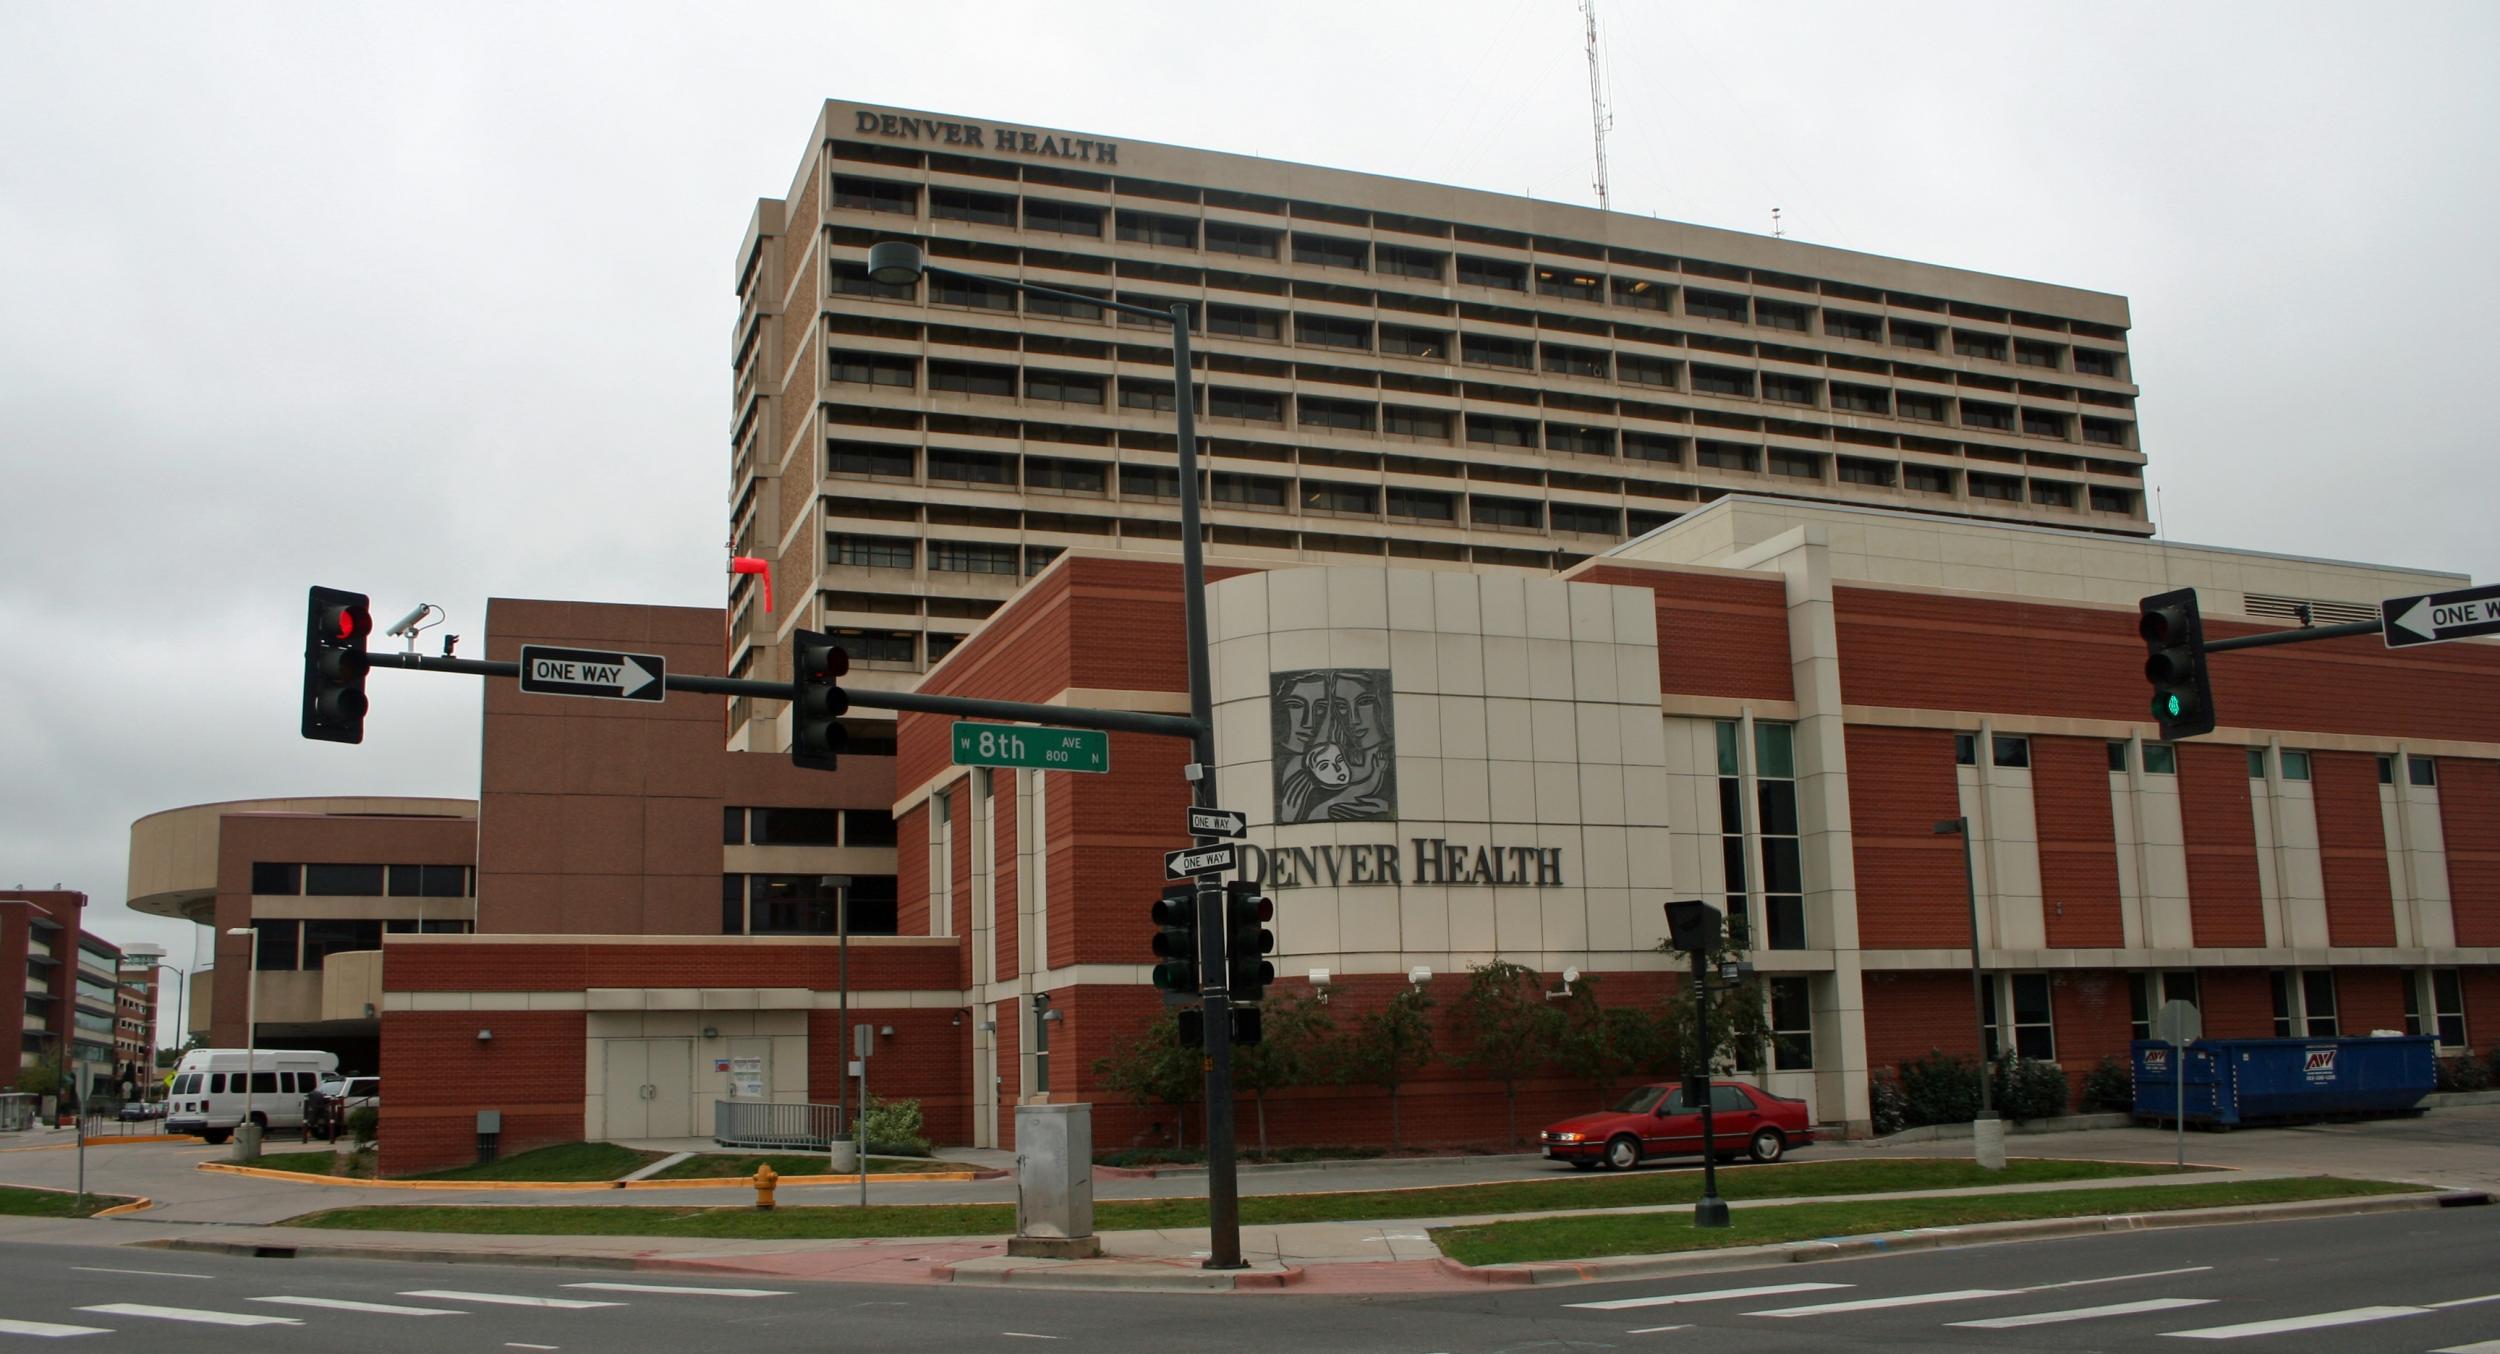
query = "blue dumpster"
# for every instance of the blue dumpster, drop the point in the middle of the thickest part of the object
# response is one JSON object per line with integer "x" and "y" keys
{"x": 2239, "y": 1081}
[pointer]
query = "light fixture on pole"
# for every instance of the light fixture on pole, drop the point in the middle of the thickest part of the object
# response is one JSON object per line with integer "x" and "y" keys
{"x": 251, "y": 1035}
{"x": 901, "y": 263}
{"x": 1987, "y": 1134}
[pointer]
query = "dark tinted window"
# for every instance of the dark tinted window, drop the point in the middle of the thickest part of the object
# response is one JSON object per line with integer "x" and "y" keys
{"x": 343, "y": 881}
{"x": 280, "y": 880}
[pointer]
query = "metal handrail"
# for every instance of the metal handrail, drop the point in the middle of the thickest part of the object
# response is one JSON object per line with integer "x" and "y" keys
{"x": 755, "y": 1123}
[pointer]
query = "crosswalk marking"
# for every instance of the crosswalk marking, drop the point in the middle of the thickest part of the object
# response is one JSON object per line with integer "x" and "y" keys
{"x": 194, "y": 1315}
{"x": 1881, "y": 1302}
{"x": 375, "y": 1308}
{"x": 2350, "y": 1316}
{"x": 2083, "y": 1313}
{"x": 505, "y": 1299}
{"x": 2478, "y": 1347}
{"x": 682, "y": 1288}
{"x": 2463, "y": 1302}
{"x": 1877, "y": 1304}
{"x": 1653, "y": 1330}
{"x": 1764, "y": 1291}
{"x": 50, "y": 1330}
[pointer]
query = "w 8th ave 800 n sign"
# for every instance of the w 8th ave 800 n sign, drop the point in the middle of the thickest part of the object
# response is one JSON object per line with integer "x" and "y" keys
{"x": 1031, "y": 747}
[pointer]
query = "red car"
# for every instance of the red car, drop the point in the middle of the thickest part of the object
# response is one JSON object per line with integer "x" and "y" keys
{"x": 1653, "y": 1122}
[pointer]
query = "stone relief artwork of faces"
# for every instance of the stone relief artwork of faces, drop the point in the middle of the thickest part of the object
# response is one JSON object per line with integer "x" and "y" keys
{"x": 1334, "y": 746}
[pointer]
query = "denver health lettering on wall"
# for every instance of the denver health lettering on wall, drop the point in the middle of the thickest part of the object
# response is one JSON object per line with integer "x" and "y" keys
{"x": 1433, "y": 860}
{"x": 1009, "y": 139}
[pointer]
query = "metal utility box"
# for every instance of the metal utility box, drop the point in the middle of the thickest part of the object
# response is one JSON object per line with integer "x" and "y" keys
{"x": 2239, "y": 1081}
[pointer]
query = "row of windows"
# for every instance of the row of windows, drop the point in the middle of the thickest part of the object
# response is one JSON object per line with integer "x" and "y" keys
{"x": 2161, "y": 759}
{"x": 1575, "y": 277}
{"x": 1154, "y": 394}
{"x": 808, "y": 905}
{"x": 287, "y": 944}
{"x": 275, "y": 879}
{"x": 806, "y": 827}
{"x": 1090, "y": 478}
{"x": 1771, "y": 834}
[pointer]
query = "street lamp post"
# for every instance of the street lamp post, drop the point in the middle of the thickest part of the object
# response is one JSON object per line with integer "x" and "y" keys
{"x": 901, "y": 263}
{"x": 1987, "y": 1134}
{"x": 841, "y": 884}
{"x": 246, "y": 1135}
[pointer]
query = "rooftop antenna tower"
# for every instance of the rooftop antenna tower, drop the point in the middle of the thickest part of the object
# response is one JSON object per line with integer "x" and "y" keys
{"x": 1599, "y": 118}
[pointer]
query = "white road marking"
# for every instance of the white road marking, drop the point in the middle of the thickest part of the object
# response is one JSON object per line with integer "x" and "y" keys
{"x": 2478, "y": 1347}
{"x": 516, "y": 1346}
{"x": 505, "y": 1299}
{"x": 1653, "y": 1330}
{"x": 1878, "y": 1304}
{"x": 1714, "y": 1295}
{"x": 375, "y": 1308}
{"x": 2119, "y": 1278}
{"x": 151, "y": 1273}
{"x": 2350, "y": 1316}
{"x": 191, "y": 1314}
{"x": 2083, "y": 1313}
{"x": 2463, "y": 1302}
{"x": 48, "y": 1330}
{"x": 1027, "y": 1335}
{"x": 681, "y": 1288}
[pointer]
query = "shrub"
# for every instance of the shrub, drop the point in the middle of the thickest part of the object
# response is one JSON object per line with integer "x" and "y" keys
{"x": 1891, "y": 1109}
{"x": 363, "y": 1122}
{"x": 2110, "y": 1088}
{"x": 2463, "y": 1074}
{"x": 893, "y": 1128}
{"x": 2027, "y": 1088}
{"x": 1940, "y": 1089}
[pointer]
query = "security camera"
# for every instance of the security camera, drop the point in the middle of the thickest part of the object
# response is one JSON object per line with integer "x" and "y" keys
{"x": 407, "y": 625}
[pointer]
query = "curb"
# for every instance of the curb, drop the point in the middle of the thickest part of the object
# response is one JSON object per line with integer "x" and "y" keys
{"x": 135, "y": 1204}
{"x": 1803, "y": 1252}
{"x": 1175, "y": 1279}
{"x": 139, "y": 1205}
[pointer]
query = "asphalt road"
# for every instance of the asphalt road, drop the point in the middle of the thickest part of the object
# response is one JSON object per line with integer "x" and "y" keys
{"x": 2423, "y": 1281}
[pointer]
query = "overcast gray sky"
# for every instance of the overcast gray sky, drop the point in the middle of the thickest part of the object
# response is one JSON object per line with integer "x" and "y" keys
{"x": 433, "y": 301}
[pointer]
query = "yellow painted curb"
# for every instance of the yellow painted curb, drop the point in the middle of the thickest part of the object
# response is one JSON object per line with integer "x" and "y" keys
{"x": 716, "y": 1182}
{"x": 139, "y": 1205}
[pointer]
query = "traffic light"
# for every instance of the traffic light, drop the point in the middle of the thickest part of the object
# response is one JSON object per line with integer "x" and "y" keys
{"x": 1247, "y": 941}
{"x": 2174, "y": 662}
{"x": 1247, "y": 1026}
{"x": 817, "y": 702}
{"x": 1176, "y": 937}
{"x": 336, "y": 627}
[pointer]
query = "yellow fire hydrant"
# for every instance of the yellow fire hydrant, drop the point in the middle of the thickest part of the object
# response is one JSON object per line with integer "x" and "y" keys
{"x": 765, "y": 1179}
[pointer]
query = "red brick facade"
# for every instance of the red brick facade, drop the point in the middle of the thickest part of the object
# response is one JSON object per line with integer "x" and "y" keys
{"x": 2078, "y": 843}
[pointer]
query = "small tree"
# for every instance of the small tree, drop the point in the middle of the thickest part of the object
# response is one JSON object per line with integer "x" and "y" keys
{"x": 1389, "y": 1046}
{"x": 1154, "y": 1069}
{"x": 1292, "y": 1051}
{"x": 1510, "y": 1028}
{"x": 1604, "y": 1043}
{"x": 1740, "y": 1018}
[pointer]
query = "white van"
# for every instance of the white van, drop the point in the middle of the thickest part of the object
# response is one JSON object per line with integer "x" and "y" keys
{"x": 211, "y": 1092}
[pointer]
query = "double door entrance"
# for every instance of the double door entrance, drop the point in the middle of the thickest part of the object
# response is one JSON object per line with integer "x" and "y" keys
{"x": 650, "y": 1089}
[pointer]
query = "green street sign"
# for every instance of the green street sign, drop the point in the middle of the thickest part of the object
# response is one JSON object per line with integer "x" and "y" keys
{"x": 1032, "y": 747}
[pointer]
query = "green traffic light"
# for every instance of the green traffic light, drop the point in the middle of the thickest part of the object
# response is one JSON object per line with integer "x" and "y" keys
{"x": 2177, "y": 706}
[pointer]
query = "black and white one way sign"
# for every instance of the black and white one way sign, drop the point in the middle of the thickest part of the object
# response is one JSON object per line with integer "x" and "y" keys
{"x": 591, "y": 672}
{"x": 2430, "y": 618}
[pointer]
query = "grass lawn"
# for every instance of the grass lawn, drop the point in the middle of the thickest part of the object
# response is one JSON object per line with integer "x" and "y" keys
{"x": 1654, "y": 1233}
{"x": 43, "y": 1203}
{"x": 721, "y": 1166}
{"x": 592, "y": 1162}
{"x": 1529, "y": 1196}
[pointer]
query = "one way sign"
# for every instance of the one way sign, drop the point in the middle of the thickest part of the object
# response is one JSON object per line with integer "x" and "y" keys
{"x": 590, "y": 672}
{"x": 2431, "y": 618}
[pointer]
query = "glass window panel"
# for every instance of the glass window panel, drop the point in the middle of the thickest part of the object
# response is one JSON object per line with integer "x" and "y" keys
{"x": 2317, "y": 999}
{"x": 1966, "y": 749}
{"x": 2256, "y": 763}
{"x": 733, "y": 827}
{"x": 276, "y": 879}
{"x": 2031, "y": 998}
{"x": 1778, "y": 800}
{"x": 1727, "y": 747}
{"x": 1731, "y": 806}
{"x": 2117, "y": 756}
{"x": 1773, "y": 751}
{"x": 867, "y": 827}
{"x": 2160, "y": 759}
{"x": 2421, "y": 770}
{"x": 343, "y": 881}
{"x": 1788, "y": 921}
{"x": 1732, "y": 860}
{"x": 1780, "y": 871}
{"x": 277, "y": 944}
{"x": 2010, "y": 751}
